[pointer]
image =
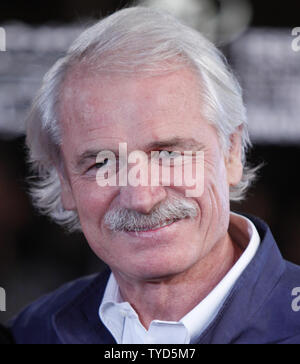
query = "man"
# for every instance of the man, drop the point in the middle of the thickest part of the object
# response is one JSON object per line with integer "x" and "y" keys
{"x": 182, "y": 270}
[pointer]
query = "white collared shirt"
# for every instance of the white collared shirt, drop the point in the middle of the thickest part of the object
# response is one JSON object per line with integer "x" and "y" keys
{"x": 124, "y": 324}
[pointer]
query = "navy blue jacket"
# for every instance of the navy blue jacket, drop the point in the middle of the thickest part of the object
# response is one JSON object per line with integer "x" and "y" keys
{"x": 257, "y": 311}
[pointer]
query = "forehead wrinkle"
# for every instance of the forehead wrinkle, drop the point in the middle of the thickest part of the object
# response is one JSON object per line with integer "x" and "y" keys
{"x": 90, "y": 92}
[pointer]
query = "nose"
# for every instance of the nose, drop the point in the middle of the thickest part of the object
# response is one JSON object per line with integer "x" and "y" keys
{"x": 142, "y": 198}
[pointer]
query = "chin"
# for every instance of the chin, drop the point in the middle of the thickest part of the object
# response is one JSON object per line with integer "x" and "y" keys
{"x": 161, "y": 269}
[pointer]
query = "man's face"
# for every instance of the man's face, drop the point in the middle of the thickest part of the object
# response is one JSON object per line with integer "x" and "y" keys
{"x": 100, "y": 112}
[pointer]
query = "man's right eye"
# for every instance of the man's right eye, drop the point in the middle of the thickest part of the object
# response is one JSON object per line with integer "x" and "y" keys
{"x": 99, "y": 165}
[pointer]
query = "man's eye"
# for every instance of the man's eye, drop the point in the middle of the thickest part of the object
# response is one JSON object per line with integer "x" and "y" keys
{"x": 100, "y": 164}
{"x": 168, "y": 154}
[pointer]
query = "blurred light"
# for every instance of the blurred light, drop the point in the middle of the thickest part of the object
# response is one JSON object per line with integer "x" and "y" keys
{"x": 221, "y": 21}
{"x": 195, "y": 13}
{"x": 29, "y": 54}
{"x": 269, "y": 72}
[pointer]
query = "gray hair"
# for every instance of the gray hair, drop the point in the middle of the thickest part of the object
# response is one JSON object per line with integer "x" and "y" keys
{"x": 132, "y": 40}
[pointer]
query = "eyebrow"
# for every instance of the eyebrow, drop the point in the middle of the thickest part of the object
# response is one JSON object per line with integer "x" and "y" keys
{"x": 189, "y": 144}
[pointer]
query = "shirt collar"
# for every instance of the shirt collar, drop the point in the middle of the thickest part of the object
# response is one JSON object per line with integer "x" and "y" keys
{"x": 113, "y": 311}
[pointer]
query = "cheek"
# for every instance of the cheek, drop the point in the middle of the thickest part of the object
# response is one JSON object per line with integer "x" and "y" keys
{"x": 222, "y": 185}
{"x": 214, "y": 202}
{"x": 216, "y": 196}
{"x": 215, "y": 173}
{"x": 92, "y": 202}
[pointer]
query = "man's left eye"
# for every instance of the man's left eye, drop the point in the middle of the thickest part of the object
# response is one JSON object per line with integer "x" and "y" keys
{"x": 169, "y": 154}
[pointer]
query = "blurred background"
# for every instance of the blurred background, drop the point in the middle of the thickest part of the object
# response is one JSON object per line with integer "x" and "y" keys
{"x": 36, "y": 256}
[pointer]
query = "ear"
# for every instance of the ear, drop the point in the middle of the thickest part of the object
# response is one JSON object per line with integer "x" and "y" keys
{"x": 234, "y": 165}
{"x": 67, "y": 197}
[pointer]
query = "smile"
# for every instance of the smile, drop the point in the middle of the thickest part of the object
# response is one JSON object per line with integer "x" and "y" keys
{"x": 159, "y": 231}
{"x": 154, "y": 228}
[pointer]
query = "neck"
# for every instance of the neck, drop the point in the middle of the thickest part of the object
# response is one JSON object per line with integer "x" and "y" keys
{"x": 151, "y": 299}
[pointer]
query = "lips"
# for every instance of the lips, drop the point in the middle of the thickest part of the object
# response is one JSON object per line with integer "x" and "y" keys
{"x": 156, "y": 227}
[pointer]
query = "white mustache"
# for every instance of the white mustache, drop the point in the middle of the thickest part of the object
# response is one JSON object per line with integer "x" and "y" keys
{"x": 122, "y": 219}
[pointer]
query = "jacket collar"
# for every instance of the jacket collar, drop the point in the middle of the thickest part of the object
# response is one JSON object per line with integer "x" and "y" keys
{"x": 79, "y": 323}
{"x": 250, "y": 292}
